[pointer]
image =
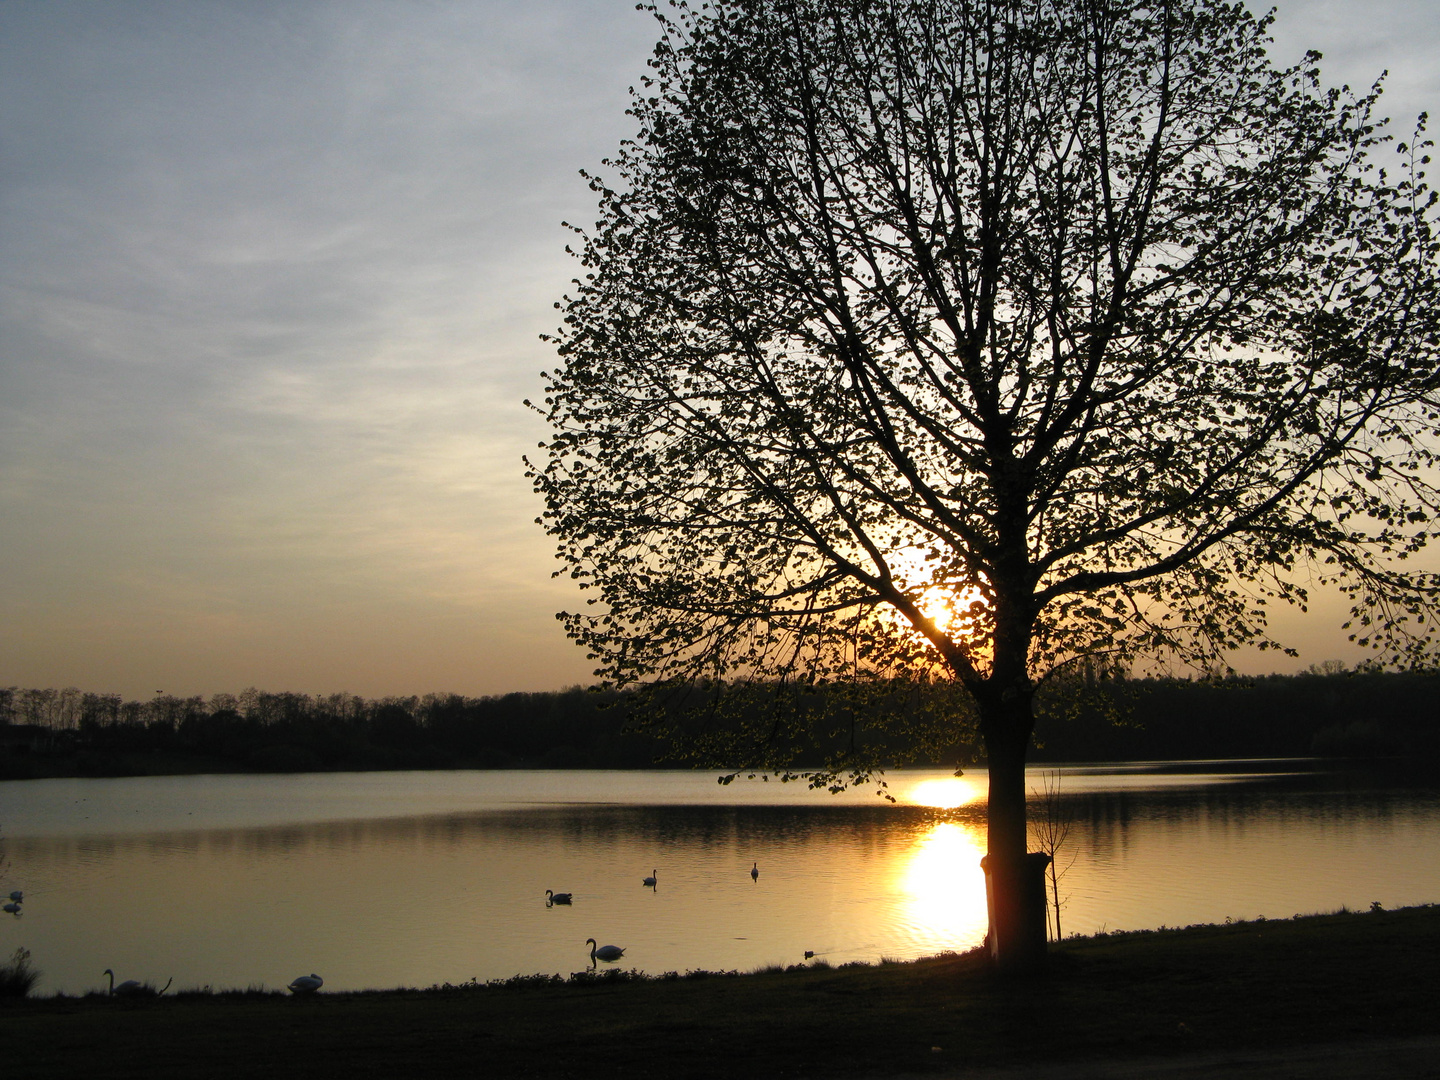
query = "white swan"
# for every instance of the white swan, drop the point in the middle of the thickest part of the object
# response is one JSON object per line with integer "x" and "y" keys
{"x": 134, "y": 988}
{"x": 306, "y": 984}
{"x": 604, "y": 952}
{"x": 650, "y": 881}
{"x": 557, "y": 897}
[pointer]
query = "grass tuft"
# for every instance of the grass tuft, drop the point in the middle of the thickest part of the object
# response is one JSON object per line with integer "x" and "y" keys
{"x": 18, "y": 976}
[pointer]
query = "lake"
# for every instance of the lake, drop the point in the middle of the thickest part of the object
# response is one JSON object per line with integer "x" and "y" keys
{"x": 412, "y": 879}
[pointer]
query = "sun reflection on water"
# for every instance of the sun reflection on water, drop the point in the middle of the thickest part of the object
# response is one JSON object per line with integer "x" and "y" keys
{"x": 943, "y": 888}
{"x": 943, "y": 793}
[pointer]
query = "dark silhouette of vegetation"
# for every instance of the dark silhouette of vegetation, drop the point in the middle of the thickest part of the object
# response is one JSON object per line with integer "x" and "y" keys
{"x": 1050, "y": 825}
{"x": 966, "y": 342}
{"x": 17, "y": 975}
{"x": 1325, "y": 713}
{"x": 68, "y": 733}
{"x": 102, "y": 734}
{"x": 1316, "y": 995}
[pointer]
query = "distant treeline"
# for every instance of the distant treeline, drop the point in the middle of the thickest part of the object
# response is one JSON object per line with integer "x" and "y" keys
{"x": 1327, "y": 712}
{"x": 66, "y": 732}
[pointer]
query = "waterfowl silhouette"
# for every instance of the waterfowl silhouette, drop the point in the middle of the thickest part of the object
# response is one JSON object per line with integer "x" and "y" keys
{"x": 306, "y": 984}
{"x": 604, "y": 952}
{"x": 133, "y": 987}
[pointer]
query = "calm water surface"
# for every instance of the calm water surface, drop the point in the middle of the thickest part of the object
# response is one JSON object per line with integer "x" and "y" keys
{"x": 412, "y": 879}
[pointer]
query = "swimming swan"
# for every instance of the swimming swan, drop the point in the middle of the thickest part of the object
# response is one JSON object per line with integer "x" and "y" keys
{"x": 604, "y": 952}
{"x": 17, "y": 896}
{"x": 12, "y": 909}
{"x": 755, "y": 872}
{"x": 650, "y": 881}
{"x": 557, "y": 897}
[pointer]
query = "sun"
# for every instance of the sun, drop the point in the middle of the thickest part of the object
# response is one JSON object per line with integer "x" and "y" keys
{"x": 956, "y": 609}
{"x": 962, "y": 613}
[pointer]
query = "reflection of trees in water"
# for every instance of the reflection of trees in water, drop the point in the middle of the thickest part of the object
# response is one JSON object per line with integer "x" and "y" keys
{"x": 688, "y": 827}
{"x": 725, "y": 827}
{"x": 1105, "y": 820}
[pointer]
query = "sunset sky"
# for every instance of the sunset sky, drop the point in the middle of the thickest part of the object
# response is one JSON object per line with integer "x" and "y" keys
{"x": 272, "y": 280}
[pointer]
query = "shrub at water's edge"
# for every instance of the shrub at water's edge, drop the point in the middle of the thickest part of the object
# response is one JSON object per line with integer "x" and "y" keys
{"x": 18, "y": 976}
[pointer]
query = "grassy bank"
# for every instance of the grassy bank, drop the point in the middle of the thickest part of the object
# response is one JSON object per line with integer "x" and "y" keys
{"x": 1247, "y": 985}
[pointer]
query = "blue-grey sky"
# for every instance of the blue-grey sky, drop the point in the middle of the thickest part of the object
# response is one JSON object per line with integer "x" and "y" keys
{"x": 272, "y": 279}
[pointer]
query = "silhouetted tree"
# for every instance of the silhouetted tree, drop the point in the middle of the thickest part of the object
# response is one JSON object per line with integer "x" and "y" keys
{"x": 1050, "y": 825}
{"x": 960, "y": 340}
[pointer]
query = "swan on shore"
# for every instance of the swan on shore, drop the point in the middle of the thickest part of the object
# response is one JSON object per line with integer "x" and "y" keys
{"x": 306, "y": 984}
{"x": 557, "y": 897}
{"x": 134, "y": 988}
{"x": 604, "y": 952}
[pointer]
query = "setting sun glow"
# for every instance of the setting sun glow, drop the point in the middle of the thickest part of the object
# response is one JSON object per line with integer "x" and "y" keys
{"x": 942, "y": 793}
{"x": 956, "y": 613}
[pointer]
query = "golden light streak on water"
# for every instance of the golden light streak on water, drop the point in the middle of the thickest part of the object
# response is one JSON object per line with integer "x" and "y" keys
{"x": 943, "y": 888}
{"x": 942, "y": 793}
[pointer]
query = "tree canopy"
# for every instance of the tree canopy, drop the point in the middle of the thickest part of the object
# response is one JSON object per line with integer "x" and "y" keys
{"x": 963, "y": 341}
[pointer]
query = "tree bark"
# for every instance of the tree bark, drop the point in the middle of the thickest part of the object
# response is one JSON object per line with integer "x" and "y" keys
{"x": 1014, "y": 876}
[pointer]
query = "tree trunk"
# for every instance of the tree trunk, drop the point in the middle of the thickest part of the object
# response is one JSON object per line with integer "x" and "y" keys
{"x": 1014, "y": 877}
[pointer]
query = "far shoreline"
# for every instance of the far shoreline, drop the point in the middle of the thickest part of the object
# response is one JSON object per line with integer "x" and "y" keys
{"x": 49, "y": 733}
{"x": 1397, "y": 765}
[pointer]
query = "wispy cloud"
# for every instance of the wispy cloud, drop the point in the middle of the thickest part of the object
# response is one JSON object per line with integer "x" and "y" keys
{"x": 271, "y": 283}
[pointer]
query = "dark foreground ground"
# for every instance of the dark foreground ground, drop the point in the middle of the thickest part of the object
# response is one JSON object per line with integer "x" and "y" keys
{"x": 1262, "y": 999}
